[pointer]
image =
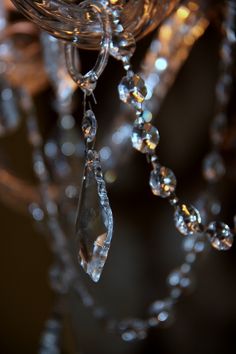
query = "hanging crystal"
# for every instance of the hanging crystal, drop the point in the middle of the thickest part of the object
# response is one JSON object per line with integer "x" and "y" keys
{"x": 94, "y": 224}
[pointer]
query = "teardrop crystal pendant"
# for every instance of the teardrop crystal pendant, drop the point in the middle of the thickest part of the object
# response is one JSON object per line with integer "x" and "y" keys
{"x": 94, "y": 224}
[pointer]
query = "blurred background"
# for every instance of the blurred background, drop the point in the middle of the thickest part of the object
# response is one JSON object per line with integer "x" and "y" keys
{"x": 145, "y": 246}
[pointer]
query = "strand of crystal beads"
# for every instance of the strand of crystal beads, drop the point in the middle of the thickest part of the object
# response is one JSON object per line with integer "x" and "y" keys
{"x": 132, "y": 329}
{"x": 145, "y": 138}
{"x": 219, "y": 233}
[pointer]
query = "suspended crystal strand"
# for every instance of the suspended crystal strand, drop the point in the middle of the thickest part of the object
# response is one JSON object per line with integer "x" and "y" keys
{"x": 94, "y": 225}
{"x": 180, "y": 281}
{"x": 50, "y": 342}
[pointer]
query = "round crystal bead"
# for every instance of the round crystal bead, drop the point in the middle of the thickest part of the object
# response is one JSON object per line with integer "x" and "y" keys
{"x": 162, "y": 182}
{"x": 213, "y": 167}
{"x": 133, "y": 329}
{"x": 187, "y": 219}
{"x": 180, "y": 281}
{"x": 145, "y": 137}
{"x": 89, "y": 126}
{"x": 132, "y": 89}
{"x": 161, "y": 313}
{"x": 220, "y": 235}
{"x": 122, "y": 45}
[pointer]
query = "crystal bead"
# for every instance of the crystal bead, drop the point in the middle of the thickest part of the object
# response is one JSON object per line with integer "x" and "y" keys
{"x": 160, "y": 305}
{"x": 36, "y": 212}
{"x": 89, "y": 82}
{"x": 145, "y": 138}
{"x": 59, "y": 278}
{"x": 180, "y": 281}
{"x": 122, "y": 45}
{"x": 132, "y": 89}
{"x": 187, "y": 219}
{"x": 161, "y": 311}
{"x": 94, "y": 224}
{"x": 162, "y": 182}
{"x": 173, "y": 200}
{"x": 89, "y": 126}
{"x": 218, "y": 128}
{"x": 195, "y": 243}
{"x": 133, "y": 329}
{"x": 213, "y": 167}
{"x": 51, "y": 337}
{"x": 220, "y": 235}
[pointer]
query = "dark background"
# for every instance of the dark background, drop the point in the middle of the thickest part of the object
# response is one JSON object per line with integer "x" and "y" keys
{"x": 145, "y": 245}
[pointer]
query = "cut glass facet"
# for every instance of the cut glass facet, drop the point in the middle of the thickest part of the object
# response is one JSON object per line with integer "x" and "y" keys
{"x": 94, "y": 224}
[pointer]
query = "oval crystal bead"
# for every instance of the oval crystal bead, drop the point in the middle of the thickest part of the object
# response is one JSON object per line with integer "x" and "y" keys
{"x": 145, "y": 138}
{"x": 132, "y": 89}
{"x": 213, "y": 167}
{"x": 187, "y": 219}
{"x": 220, "y": 235}
{"x": 89, "y": 126}
{"x": 162, "y": 182}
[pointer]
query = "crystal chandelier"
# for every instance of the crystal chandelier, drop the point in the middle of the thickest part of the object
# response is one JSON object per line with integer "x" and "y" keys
{"x": 83, "y": 189}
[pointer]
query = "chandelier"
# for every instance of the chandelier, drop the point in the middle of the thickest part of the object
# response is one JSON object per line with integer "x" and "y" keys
{"x": 85, "y": 86}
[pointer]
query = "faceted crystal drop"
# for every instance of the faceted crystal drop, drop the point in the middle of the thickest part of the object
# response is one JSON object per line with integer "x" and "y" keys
{"x": 220, "y": 235}
{"x": 162, "y": 182}
{"x": 187, "y": 219}
{"x": 94, "y": 224}
{"x": 89, "y": 126}
{"x": 132, "y": 89}
{"x": 122, "y": 45}
{"x": 213, "y": 167}
{"x": 145, "y": 137}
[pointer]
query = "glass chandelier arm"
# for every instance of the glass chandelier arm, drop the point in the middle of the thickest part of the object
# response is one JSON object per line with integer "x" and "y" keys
{"x": 88, "y": 81}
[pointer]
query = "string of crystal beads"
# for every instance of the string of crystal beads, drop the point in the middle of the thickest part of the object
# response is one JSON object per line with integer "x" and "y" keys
{"x": 145, "y": 138}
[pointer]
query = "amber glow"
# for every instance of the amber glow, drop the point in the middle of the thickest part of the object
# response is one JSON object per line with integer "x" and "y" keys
{"x": 183, "y": 12}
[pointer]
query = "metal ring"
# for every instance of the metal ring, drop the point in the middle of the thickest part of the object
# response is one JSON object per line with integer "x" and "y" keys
{"x": 88, "y": 81}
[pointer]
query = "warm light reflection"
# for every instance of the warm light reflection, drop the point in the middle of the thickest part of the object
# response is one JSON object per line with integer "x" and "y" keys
{"x": 183, "y": 12}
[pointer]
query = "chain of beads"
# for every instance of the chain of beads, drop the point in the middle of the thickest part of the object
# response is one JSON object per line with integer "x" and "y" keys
{"x": 145, "y": 138}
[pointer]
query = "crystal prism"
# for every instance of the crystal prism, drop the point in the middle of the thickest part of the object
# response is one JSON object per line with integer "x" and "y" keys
{"x": 94, "y": 224}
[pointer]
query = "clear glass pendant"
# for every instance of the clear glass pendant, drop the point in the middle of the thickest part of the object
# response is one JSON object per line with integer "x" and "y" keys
{"x": 94, "y": 224}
